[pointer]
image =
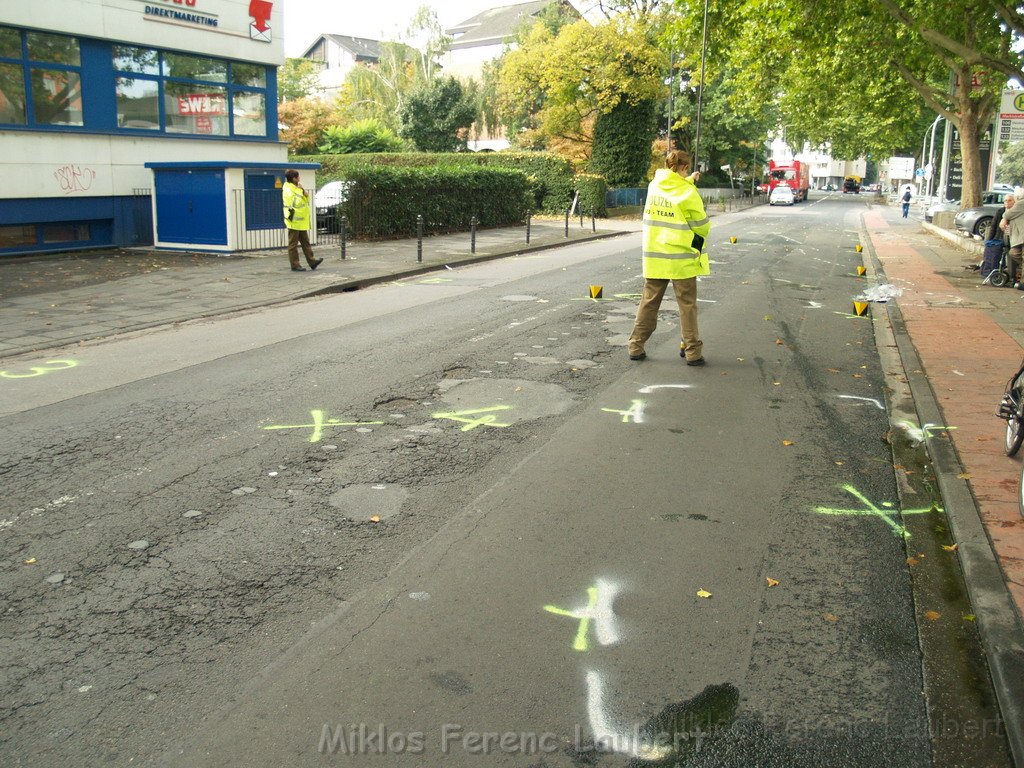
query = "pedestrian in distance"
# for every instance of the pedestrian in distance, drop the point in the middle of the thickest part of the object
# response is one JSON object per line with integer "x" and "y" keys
{"x": 296, "y": 219}
{"x": 1013, "y": 231}
{"x": 674, "y": 230}
{"x": 907, "y": 195}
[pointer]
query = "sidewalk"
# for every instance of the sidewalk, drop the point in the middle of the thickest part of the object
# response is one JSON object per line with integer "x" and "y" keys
{"x": 51, "y": 301}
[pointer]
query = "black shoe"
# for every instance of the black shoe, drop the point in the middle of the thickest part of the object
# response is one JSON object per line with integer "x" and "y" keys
{"x": 316, "y": 263}
{"x": 698, "y": 361}
{"x": 641, "y": 356}
{"x": 298, "y": 269}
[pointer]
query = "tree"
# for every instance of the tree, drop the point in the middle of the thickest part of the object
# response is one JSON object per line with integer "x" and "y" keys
{"x": 622, "y": 143}
{"x": 305, "y": 121}
{"x": 297, "y": 79}
{"x": 426, "y": 36}
{"x": 560, "y": 84}
{"x": 883, "y": 61}
{"x": 437, "y": 117}
{"x": 379, "y": 92}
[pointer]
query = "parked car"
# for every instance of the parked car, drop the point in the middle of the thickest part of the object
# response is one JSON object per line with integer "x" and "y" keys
{"x": 975, "y": 221}
{"x": 781, "y": 196}
{"x": 328, "y": 200}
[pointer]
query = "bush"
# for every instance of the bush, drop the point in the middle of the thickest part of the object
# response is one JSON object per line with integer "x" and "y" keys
{"x": 360, "y": 137}
{"x": 552, "y": 175}
{"x": 622, "y": 143}
{"x": 592, "y": 189}
{"x": 385, "y": 201}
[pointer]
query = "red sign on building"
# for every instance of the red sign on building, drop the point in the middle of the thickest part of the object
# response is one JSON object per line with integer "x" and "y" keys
{"x": 202, "y": 104}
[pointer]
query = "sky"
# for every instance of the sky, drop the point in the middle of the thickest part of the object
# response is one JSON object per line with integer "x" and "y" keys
{"x": 306, "y": 20}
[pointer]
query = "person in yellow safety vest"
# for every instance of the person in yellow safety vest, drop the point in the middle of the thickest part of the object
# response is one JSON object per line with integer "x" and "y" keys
{"x": 296, "y": 219}
{"x": 675, "y": 227}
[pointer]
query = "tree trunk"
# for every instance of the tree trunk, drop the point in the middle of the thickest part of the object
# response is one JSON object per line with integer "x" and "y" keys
{"x": 974, "y": 119}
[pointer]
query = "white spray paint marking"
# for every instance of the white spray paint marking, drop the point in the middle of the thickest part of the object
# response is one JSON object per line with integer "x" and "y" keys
{"x": 598, "y": 611}
{"x": 648, "y": 389}
{"x": 606, "y": 739}
{"x": 878, "y": 405}
{"x": 635, "y": 412}
{"x": 920, "y": 434}
{"x": 958, "y": 373}
{"x": 813, "y": 305}
{"x": 780, "y": 280}
{"x": 707, "y": 301}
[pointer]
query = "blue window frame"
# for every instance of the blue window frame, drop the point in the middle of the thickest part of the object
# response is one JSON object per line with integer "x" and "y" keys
{"x": 43, "y": 78}
{"x": 40, "y": 79}
{"x": 178, "y": 93}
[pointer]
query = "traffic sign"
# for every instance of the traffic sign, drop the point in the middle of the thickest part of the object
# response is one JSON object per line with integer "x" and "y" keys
{"x": 919, "y": 172}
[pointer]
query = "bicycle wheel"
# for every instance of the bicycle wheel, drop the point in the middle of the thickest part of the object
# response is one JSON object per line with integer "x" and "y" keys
{"x": 1014, "y": 433}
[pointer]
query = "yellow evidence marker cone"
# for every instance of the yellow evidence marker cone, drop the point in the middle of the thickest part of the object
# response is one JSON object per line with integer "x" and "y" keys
{"x": 861, "y": 307}
{"x": 732, "y": 239}
{"x": 862, "y": 270}
{"x": 860, "y": 248}
{"x": 596, "y": 291}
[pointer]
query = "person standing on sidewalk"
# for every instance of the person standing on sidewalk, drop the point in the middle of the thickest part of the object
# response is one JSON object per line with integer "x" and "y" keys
{"x": 906, "y": 201}
{"x": 675, "y": 226}
{"x": 296, "y": 219}
{"x": 1013, "y": 231}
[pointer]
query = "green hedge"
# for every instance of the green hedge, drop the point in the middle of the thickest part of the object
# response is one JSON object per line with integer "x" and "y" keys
{"x": 592, "y": 189}
{"x": 385, "y": 201}
{"x": 551, "y": 176}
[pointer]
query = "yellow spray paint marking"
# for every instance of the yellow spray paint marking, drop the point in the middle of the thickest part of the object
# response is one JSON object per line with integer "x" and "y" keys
{"x": 490, "y": 420}
{"x": 40, "y": 370}
{"x": 599, "y": 610}
{"x": 635, "y": 412}
{"x": 319, "y": 423}
{"x": 888, "y": 514}
{"x": 849, "y": 316}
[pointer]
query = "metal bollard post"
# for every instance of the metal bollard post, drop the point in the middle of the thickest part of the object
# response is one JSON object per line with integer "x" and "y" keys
{"x": 567, "y": 211}
{"x": 472, "y": 234}
{"x": 529, "y": 215}
{"x": 593, "y": 222}
{"x": 581, "y": 216}
{"x": 419, "y": 238}
{"x": 344, "y": 235}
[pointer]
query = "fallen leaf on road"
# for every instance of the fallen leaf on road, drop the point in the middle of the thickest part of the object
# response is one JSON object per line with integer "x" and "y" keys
{"x": 830, "y": 617}
{"x": 766, "y": 317}
{"x": 839, "y": 463}
{"x": 30, "y": 561}
{"x": 518, "y": 389}
{"x": 968, "y": 617}
{"x": 951, "y": 547}
{"x": 740, "y": 359}
{"x": 833, "y": 370}
{"x": 788, "y": 442}
{"x": 772, "y": 582}
{"x": 703, "y": 593}
{"x": 911, "y": 561}
{"x": 375, "y": 519}
{"x": 780, "y": 342}
{"x": 932, "y": 615}
{"x": 857, "y": 376}
{"x": 964, "y": 476}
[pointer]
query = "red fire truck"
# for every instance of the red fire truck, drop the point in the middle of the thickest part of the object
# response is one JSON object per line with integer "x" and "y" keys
{"x": 794, "y": 174}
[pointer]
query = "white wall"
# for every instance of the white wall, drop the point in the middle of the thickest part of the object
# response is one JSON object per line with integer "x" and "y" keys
{"x": 126, "y": 20}
{"x": 70, "y": 165}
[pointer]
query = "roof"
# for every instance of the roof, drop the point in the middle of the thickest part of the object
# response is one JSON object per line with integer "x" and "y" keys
{"x": 360, "y": 47}
{"x": 495, "y": 26}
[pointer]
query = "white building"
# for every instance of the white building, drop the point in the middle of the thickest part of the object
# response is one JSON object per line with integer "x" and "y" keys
{"x": 825, "y": 170}
{"x": 92, "y": 90}
{"x": 338, "y": 55}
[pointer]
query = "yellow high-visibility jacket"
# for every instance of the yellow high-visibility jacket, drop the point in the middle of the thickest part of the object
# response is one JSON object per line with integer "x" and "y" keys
{"x": 295, "y": 199}
{"x": 673, "y": 215}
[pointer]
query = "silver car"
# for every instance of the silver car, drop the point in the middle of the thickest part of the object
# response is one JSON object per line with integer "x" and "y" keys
{"x": 975, "y": 221}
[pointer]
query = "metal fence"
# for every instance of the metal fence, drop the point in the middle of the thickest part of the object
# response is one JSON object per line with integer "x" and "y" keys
{"x": 138, "y": 218}
{"x": 259, "y": 224}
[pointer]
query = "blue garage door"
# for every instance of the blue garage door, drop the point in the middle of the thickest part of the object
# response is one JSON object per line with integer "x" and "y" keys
{"x": 190, "y": 207}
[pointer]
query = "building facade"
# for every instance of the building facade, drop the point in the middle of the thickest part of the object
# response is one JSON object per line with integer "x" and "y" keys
{"x": 93, "y": 90}
{"x": 338, "y": 55}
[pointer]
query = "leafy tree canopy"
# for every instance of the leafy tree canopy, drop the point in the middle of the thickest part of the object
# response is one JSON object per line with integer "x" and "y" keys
{"x": 297, "y": 79}
{"x": 437, "y": 117}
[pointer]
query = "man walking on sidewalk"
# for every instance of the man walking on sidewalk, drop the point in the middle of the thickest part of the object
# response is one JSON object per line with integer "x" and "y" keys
{"x": 675, "y": 225}
{"x": 296, "y": 219}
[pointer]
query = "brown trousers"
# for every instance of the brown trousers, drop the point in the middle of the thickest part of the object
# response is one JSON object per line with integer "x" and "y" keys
{"x": 647, "y": 315}
{"x": 297, "y": 237}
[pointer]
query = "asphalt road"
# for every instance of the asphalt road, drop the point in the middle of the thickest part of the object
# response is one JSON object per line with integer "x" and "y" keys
{"x": 446, "y": 521}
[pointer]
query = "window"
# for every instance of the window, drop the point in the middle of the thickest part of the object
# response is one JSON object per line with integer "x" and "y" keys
{"x": 69, "y": 232}
{"x": 17, "y": 235}
{"x": 48, "y": 69}
{"x": 183, "y": 94}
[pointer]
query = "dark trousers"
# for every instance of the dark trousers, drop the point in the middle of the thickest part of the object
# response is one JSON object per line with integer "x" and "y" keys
{"x": 906, "y": 209}
{"x": 297, "y": 237}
